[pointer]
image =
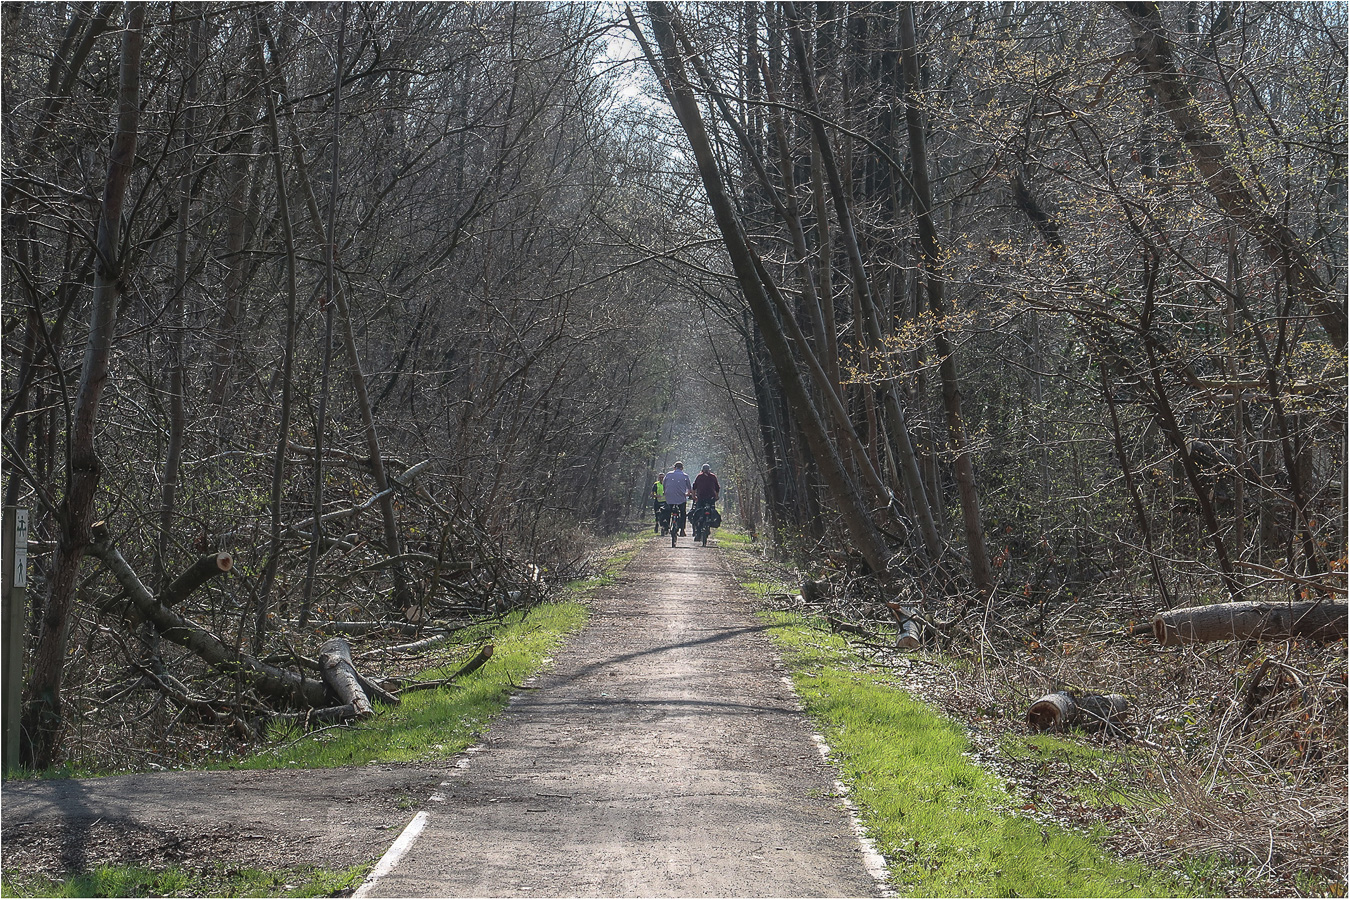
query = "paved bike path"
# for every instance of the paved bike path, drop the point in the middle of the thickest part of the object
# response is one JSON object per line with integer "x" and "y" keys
{"x": 664, "y": 755}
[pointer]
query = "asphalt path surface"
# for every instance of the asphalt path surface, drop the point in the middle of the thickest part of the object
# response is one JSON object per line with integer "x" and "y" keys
{"x": 664, "y": 754}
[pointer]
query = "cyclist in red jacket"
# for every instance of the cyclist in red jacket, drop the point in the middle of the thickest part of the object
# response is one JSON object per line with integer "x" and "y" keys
{"x": 706, "y": 487}
{"x": 704, "y": 514}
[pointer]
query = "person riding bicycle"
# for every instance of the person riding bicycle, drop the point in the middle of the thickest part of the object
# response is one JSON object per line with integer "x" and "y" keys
{"x": 706, "y": 491}
{"x": 659, "y": 506}
{"x": 677, "y": 487}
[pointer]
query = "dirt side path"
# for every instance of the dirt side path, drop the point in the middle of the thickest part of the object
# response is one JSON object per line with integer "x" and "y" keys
{"x": 332, "y": 818}
{"x": 664, "y": 756}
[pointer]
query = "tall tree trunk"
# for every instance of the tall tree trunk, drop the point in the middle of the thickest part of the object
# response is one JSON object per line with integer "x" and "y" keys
{"x": 775, "y": 494}
{"x": 980, "y": 568}
{"x": 402, "y": 594}
{"x": 1171, "y": 428}
{"x": 671, "y": 70}
{"x": 865, "y": 306}
{"x": 239, "y": 172}
{"x": 173, "y": 454}
{"x": 43, "y": 726}
{"x": 330, "y": 288}
{"x": 288, "y": 349}
{"x": 1136, "y": 500}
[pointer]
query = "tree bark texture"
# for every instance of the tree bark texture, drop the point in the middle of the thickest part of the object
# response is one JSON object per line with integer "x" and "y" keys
{"x": 335, "y": 664}
{"x": 1093, "y": 712}
{"x": 1316, "y": 620}
{"x": 196, "y": 575}
{"x": 43, "y": 726}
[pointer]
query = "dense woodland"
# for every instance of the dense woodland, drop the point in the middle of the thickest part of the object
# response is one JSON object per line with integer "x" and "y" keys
{"x": 994, "y": 311}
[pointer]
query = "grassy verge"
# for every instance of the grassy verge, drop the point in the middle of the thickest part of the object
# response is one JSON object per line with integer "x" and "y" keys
{"x": 946, "y": 826}
{"x": 733, "y": 539}
{"x": 438, "y": 723}
{"x": 135, "y": 881}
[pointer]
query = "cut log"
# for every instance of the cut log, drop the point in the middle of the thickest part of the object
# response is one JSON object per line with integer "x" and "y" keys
{"x": 814, "y": 592}
{"x": 1099, "y": 711}
{"x": 1053, "y": 712}
{"x": 376, "y": 691}
{"x": 268, "y": 680}
{"x": 1317, "y": 620}
{"x": 198, "y": 574}
{"x": 335, "y": 664}
{"x": 427, "y": 643}
{"x": 1093, "y": 712}
{"x": 910, "y": 634}
{"x": 473, "y": 665}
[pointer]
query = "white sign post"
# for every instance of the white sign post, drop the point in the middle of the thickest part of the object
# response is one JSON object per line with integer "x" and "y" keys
{"x": 15, "y": 621}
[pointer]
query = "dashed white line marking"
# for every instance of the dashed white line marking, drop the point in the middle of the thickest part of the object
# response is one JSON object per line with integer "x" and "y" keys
{"x": 873, "y": 861}
{"x": 394, "y": 854}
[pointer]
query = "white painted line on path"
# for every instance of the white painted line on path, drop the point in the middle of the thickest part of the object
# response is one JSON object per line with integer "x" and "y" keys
{"x": 873, "y": 861}
{"x": 400, "y": 847}
{"x": 394, "y": 854}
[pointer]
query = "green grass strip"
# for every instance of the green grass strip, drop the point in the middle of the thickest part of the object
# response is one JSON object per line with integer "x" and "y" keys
{"x": 439, "y": 723}
{"x": 135, "y": 881}
{"x": 945, "y": 826}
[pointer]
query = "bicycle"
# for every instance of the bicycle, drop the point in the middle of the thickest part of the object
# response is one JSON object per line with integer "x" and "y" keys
{"x": 677, "y": 517}
{"x": 702, "y": 517}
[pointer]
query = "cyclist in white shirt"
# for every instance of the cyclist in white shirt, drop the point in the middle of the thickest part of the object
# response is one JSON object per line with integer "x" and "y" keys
{"x": 678, "y": 486}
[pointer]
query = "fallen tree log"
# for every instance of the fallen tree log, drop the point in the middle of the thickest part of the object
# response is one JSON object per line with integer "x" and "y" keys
{"x": 267, "y": 680}
{"x": 473, "y": 665}
{"x": 335, "y": 664}
{"x": 426, "y": 643}
{"x": 1102, "y": 711}
{"x": 1317, "y": 620}
{"x": 1093, "y": 712}
{"x": 815, "y": 592}
{"x": 1053, "y": 712}
{"x": 376, "y": 691}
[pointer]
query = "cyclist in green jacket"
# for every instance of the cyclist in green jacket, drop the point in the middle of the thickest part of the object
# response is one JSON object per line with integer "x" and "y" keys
{"x": 659, "y": 505}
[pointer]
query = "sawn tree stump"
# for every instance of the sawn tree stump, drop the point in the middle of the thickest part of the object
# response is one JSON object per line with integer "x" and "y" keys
{"x": 1093, "y": 712}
